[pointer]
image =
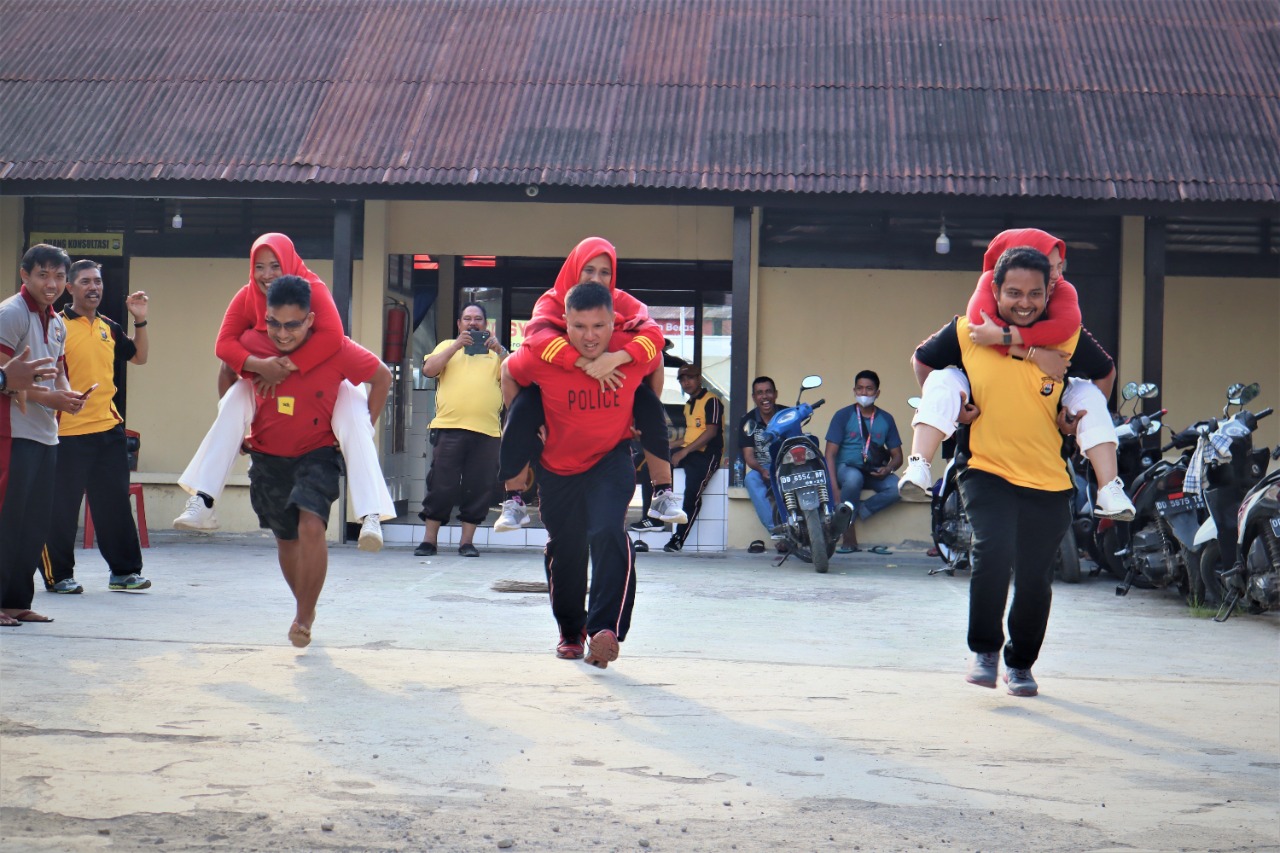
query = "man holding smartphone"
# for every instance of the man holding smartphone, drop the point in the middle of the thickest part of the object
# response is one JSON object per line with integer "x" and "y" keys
{"x": 29, "y": 432}
{"x": 93, "y": 459}
{"x": 465, "y": 432}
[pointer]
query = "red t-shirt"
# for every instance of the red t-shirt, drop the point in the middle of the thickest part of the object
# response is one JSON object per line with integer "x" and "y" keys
{"x": 583, "y": 422}
{"x": 296, "y": 420}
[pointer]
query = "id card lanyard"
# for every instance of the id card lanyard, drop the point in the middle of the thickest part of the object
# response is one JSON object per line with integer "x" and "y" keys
{"x": 866, "y": 437}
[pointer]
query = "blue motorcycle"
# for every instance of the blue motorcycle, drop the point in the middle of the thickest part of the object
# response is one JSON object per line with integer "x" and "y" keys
{"x": 811, "y": 524}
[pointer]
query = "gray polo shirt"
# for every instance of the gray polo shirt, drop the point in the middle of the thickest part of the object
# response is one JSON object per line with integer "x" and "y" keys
{"x": 24, "y": 324}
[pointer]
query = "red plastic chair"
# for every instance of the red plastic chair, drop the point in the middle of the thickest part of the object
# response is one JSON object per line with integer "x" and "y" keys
{"x": 135, "y": 492}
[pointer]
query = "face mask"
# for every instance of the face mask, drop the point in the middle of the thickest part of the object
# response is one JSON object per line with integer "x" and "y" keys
{"x": 866, "y": 401}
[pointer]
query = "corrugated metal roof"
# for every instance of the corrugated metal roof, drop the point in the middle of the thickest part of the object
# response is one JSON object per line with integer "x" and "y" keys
{"x": 1163, "y": 100}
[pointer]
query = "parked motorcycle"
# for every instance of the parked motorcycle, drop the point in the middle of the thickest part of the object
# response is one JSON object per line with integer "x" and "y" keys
{"x": 1227, "y": 466}
{"x": 1154, "y": 550}
{"x": 811, "y": 524}
{"x": 1255, "y": 578}
{"x": 1132, "y": 458}
{"x": 948, "y": 523}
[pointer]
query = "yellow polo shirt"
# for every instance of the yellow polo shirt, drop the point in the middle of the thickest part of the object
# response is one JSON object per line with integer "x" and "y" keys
{"x": 92, "y": 349}
{"x": 1016, "y": 437}
{"x": 469, "y": 392}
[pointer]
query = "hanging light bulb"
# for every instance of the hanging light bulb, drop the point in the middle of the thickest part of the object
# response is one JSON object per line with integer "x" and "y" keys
{"x": 177, "y": 219}
{"x": 943, "y": 244}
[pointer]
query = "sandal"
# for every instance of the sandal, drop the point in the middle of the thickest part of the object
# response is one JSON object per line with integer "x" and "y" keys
{"x": 7, "y": 621}
{"x": 30, "y": 616}
{"x": 848, "y": 549}
{"x": 756, "y": 547}
{"x": 879, "y": 549}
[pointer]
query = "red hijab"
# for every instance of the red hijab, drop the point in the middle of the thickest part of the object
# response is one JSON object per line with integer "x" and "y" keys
{"x": 1041, "y": 241}
{"x": 290, "y": 264}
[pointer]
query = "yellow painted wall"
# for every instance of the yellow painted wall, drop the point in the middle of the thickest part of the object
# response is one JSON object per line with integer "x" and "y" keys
{"x": 835, "y": 323}
{"x": 1216, "y": 332}
{"x": 541, "y": 230}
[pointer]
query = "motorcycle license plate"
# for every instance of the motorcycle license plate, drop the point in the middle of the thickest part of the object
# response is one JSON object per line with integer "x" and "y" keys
{"x": 1275, "y": 526}
{"x": 802, "y": 478}
{"x": 1186, "y": 503}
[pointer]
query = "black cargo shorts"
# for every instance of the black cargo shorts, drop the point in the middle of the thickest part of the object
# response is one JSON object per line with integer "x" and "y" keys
{"x": 279, "y": 486}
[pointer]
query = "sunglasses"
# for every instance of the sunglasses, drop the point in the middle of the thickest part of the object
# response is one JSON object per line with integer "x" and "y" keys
{"x": 290, "y": 326}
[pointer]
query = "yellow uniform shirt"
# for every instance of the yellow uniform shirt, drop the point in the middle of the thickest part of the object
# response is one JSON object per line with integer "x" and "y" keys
{"x": 1016, "y": 437}
{"x": 469, "y": 392}
{"x": 703, "y": 410}
{"x": 93, "y": 346}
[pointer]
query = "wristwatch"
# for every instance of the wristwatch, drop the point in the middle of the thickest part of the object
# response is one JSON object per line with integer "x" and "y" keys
{"x": 4, "y": 380}
{"x": 1007, "y": 340}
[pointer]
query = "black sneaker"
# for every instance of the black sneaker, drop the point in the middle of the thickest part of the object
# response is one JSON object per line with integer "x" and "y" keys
{"x": 672, "y": 545}
{"x": 646, "y": 524}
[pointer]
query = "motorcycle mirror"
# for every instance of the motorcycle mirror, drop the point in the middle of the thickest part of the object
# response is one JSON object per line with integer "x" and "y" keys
{"x": 1148, "y": 390}
{"x": 1129, "y": 391}
{"x": 1249, "y": 393}
{"x": 1233, "y": 394}
{"x": 810, "y": 382}
{"x": 914, "y": 402}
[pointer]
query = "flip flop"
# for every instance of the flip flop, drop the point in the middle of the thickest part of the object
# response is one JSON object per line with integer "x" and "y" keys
{"x": 7, "y": 621}
{"x": 848, "y": 549}
{"x": 299, "y": 636}
{"x": 879, "y": 549}
{"x": 756, "y": 547}
{"x": 30, "y": 616}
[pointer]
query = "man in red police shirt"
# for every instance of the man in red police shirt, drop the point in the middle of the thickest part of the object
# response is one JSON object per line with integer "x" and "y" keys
{"x": 585, "y": 479}
{"x": 293, "y": 481}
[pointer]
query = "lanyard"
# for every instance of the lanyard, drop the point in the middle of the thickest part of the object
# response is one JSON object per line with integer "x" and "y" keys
{"x": 866, "y": 437}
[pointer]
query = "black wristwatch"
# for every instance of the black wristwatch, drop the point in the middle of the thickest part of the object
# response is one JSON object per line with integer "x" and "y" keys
{"x": 1007, "y": 340}
{"x": 4, "y": 380}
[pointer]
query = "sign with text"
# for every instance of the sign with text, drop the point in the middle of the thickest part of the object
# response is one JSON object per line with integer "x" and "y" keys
{"x": 79, "y": 245}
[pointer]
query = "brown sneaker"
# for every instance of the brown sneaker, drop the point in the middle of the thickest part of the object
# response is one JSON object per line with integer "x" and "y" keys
{"x": 602, "y": 649}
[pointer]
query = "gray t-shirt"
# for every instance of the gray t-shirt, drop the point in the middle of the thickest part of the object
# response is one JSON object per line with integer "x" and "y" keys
{"x": 22, "y": 324}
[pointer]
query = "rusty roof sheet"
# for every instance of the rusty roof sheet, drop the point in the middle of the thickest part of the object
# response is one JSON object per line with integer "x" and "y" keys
{"x": 1164, "y": 100}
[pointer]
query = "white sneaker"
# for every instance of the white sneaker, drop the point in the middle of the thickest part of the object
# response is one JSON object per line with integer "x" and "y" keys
{"x": 1113, "y": 502}
{"x": 197, "y": 517}
{"x": 371, "y": 534}
{"x": 916, "y": 483}
{"x": 666, "y": 507}
{"x": 513, "y": 517}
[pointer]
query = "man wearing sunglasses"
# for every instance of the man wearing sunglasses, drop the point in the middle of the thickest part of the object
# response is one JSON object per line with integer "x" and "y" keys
{"x": 293, "y": 480}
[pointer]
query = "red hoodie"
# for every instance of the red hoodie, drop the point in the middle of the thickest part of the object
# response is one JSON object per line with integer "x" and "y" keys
{"x": 545, "y": 330}
{"x": 1066, "y": 302}
{"x": 248, "y": 310}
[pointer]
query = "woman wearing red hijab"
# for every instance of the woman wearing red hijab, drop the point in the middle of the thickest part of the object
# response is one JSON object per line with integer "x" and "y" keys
{"x": 592, "y": 260}
{"x": 945, "y": 393}
{"x": 272, "y": 256}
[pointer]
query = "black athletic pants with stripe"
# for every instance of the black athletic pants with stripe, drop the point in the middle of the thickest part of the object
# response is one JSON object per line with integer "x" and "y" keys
{"x": 97, "y": 465}
{"x": 585, "y": 516}
{"x": 24, "y": 516}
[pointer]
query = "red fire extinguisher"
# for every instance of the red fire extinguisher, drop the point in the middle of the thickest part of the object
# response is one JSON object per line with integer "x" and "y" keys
{"x": 395, "y": 334}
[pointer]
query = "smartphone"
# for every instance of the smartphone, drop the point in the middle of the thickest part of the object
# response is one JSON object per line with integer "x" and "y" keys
{"x": 86, "y": 394}
{"x": 477, "y": 347}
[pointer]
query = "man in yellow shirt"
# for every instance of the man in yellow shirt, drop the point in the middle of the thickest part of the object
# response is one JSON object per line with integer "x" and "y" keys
{"x": 466, "y": 432}
{"x": 92, "y": 456}
{"x": 1016, "y": 485}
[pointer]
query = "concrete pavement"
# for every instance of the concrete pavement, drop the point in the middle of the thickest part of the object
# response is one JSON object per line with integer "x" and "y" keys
{"x": 753, "y": 707}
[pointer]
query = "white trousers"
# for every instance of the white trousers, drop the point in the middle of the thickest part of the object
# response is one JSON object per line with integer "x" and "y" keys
{"x": 209, "y": 468}
{"x": 940, "y": 406}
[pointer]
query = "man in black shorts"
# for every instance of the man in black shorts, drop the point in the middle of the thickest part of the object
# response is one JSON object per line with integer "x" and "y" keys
{"x": 293, "y": 481}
